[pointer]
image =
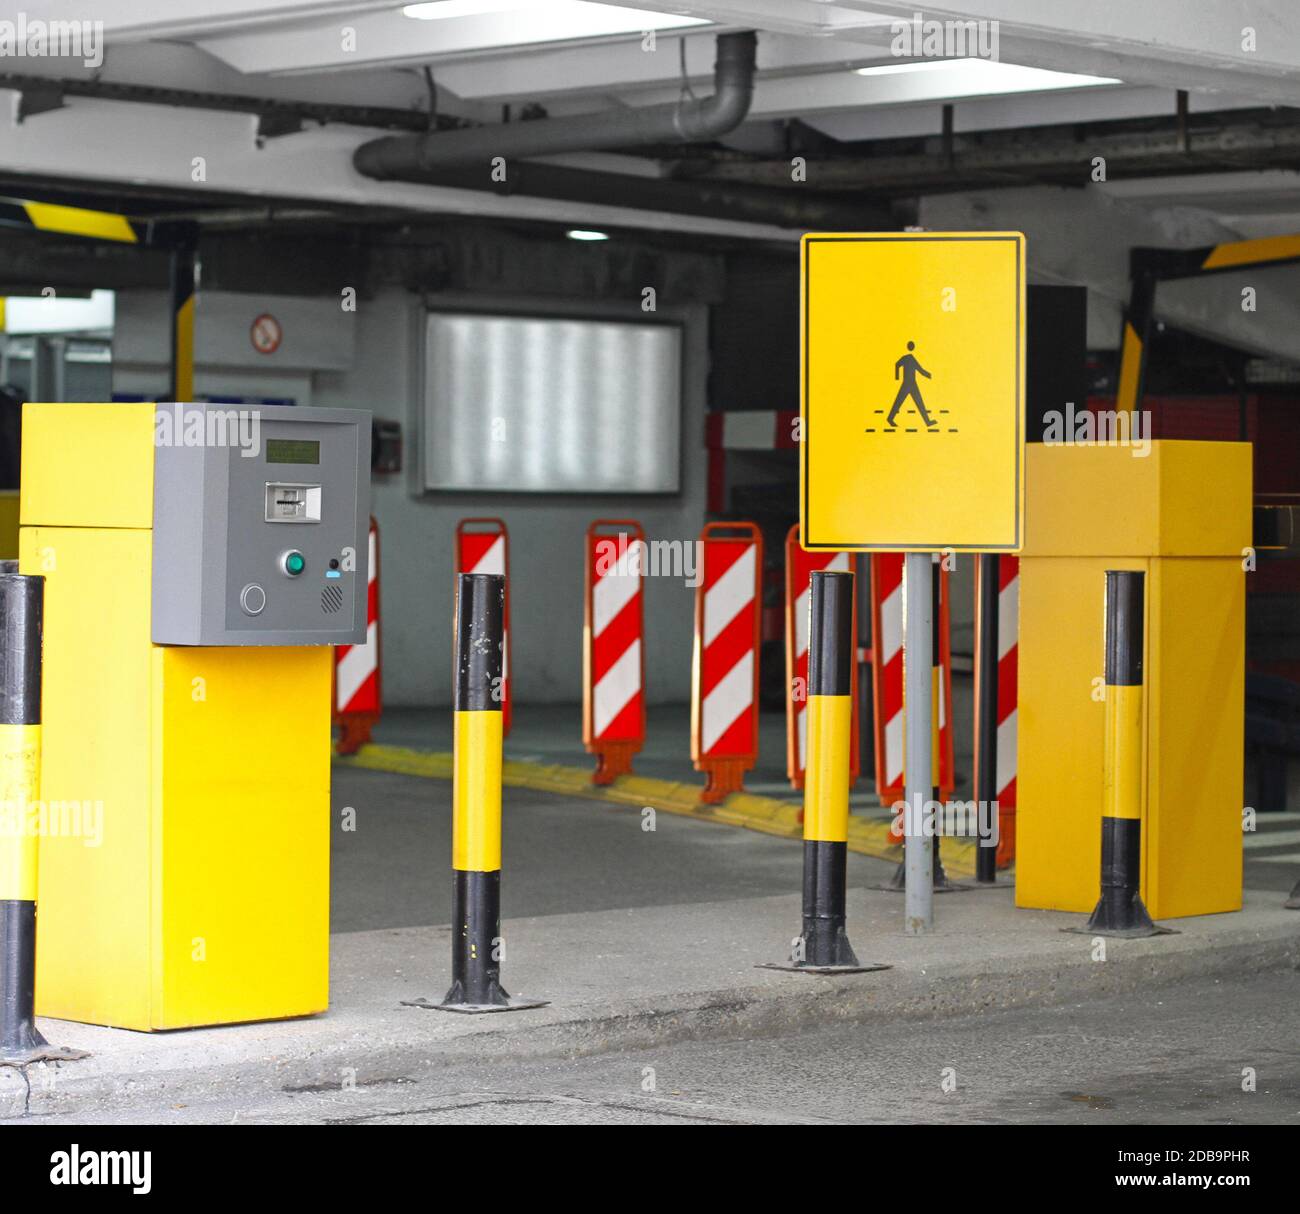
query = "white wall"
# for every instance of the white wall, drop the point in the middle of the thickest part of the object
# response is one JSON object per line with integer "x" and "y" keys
{"x": 316, "y": 332}
{"x": 417, "y": 531}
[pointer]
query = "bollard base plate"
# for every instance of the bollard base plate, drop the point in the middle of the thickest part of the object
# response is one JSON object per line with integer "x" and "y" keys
{"x": 512, "y": 1004}
{"x": 897, "y": 884}
{"x": 948, "y": 887}
{"x": 791, "y": 968}
{"x": 43, "y": 1053}
{"x": 1125, "y": 918}
{"x": 1123, "y": 933}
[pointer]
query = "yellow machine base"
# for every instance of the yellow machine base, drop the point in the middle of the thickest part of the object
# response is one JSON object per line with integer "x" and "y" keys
{"x": 187, "y": 880}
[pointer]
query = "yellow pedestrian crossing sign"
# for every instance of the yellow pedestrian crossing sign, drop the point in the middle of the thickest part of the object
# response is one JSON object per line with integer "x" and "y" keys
{"x": 913, "y": 391}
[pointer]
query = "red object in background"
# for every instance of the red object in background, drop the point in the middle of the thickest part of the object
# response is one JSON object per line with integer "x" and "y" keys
{"x": 799, "y": 568}
{"x": 357, "y": 696}
{"x": 724, "y": 683}
{"x": 483, "y": 546}
{"x": 1007, "y": 662}
{"x": 1276, "y": 432}
{"x": 887, "y": 679}
{"x": 613, "y": 647}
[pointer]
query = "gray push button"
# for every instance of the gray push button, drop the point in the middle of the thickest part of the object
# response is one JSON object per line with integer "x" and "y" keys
{"x": 252, "y": 599}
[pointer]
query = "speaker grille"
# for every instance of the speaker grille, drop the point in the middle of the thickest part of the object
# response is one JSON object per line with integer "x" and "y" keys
{"x": 331, "y": 598}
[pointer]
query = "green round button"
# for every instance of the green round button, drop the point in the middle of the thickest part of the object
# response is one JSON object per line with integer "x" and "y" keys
{"x": 294, "y": 564}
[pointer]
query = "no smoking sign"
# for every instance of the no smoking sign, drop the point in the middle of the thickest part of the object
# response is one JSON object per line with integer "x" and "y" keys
{"x": 266, "y": 334}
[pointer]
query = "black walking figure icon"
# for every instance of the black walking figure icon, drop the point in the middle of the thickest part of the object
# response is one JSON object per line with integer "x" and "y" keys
{"x": 908, "y": 366}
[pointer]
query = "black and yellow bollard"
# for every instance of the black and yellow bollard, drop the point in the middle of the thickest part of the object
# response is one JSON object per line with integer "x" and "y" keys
{"x": 476, "y": 803}
{"x": 22, "y": 602}
{"x": 1120, "y": 911}
{"x": 184, "y": 281}
{"x": 824, "y": 947}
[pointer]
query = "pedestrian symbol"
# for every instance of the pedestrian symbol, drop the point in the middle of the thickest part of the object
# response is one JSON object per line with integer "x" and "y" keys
{"x": 913, "y": 391}
{"x": 909, "y": 367}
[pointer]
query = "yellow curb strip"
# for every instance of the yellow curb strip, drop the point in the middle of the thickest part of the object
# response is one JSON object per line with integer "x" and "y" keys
{"x": 767, "y": 815}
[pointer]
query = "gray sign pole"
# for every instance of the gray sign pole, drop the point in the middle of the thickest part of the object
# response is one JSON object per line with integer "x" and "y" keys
{"x": 918, "y": 641}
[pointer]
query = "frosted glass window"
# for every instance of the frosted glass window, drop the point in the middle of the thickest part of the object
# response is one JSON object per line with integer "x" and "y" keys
{"x": 541, "y": 405}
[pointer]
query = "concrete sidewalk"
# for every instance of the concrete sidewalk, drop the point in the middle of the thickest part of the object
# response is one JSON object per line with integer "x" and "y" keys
{"x": 637, "y": 977}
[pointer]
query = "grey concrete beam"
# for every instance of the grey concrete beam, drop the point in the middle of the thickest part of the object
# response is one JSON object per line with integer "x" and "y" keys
{"x": 1083, "y": 237}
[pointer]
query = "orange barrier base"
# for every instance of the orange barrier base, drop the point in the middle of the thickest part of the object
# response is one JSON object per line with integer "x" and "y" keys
{"x": 354, "y": 732}
{"x": 1006, "y": 835}
{"x": 613, "y": 759}
{"x": 722, "y": 778}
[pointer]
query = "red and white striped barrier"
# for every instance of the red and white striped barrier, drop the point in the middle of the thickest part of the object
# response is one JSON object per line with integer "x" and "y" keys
{"x": 724, "y": 684}
{"x": 613, "y": 647}
{"x": 887, "y": 677}
{"x": 483, "y": 546}
{"x": 357, "y": 698}
{"x": 1008, "y": 652}
{"x": 799, "y": 568}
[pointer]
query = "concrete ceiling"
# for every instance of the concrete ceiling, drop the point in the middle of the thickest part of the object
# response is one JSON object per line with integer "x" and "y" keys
{"x": 1057, "y": 62}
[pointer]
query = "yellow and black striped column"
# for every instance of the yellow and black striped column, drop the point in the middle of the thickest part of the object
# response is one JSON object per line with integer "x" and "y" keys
{"x": 1120, "y": 911}
{"x": 476, "y": 802}
{"x": 184, "y": 283}
{"x": 824, "y": 943}
{"x": 22, "y": 601}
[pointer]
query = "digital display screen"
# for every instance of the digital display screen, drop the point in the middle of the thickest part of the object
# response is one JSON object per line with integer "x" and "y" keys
{"x": 292, "y": 451}
{"x": 590, "y": 406}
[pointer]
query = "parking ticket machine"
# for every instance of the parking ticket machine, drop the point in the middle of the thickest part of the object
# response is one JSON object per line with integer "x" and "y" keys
{"x": 200, "y": 562}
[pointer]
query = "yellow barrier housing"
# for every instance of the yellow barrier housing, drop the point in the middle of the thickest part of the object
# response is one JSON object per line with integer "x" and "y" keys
{"x": 194, "y": 889}
{"x": 1182, "y": 515}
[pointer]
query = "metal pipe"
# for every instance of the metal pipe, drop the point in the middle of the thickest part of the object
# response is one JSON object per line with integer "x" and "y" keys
{"x": 918, "y": 854}
{"x": 406, "y": 157}
{"x": 986, "y": 708}
{"x": 799, "y": 208}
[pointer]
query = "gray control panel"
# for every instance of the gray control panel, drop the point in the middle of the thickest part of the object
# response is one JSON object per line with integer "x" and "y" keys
{"x": 260, "y": 525}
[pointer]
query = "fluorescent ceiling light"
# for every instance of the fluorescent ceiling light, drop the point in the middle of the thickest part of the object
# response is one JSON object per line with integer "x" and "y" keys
{"x": 586, "y": 234}
{"x": 987, "y": 77}
{"x": 566, "y": 18}
{"x": 457, "y": 8}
